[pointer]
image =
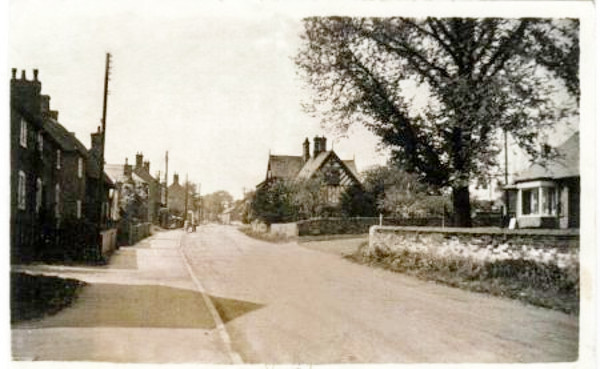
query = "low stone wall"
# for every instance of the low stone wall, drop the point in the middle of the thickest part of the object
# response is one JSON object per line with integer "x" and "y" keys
{"x": 138, "y": 232}
{"x": 327, "y": 226}
{"x": 109, "y": 241}
{"x": 385, "y": 240}
{"x": 289, "y": 230}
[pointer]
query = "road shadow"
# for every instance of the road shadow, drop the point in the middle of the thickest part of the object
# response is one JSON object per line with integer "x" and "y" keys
{"x": 141, "y": 306}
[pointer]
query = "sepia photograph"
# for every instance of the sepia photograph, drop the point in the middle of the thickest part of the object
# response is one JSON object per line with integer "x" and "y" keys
{"x": 300, "y": 183}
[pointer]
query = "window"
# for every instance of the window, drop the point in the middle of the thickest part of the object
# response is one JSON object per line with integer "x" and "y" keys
{"x": 549, "y": 201}
{"x": 78, "y": 209}
{"x": 530, "y": 201}
{"x": 58, "y": 158}
{"x": 23, "y": 134}
{"x": 540, "y": 200}
{"x": 40, "y": 140}
{"x": 38, "y": 195}
{"x": 21, "y": 191}
{"x": 57, "y": 201}
{"x": 80, "y": 167}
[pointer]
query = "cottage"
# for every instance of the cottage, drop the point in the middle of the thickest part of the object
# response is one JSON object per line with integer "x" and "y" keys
{"x": 548, "y": 196}
{"x": 338, "y": 174}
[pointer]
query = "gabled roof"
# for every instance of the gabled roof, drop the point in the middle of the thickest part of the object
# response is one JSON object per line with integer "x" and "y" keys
{"x": 350, "y": 164}
{"x": 115, "y": 172}
{"x": 66, "y": 140}
{"x": 313, "y": 164}
{"x": 565, "y": 165}
{"x": 285, "y": 166}
{"x": 142, "y": 173}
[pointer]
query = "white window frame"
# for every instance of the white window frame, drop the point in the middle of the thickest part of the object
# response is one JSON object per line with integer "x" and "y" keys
{"x": 40, "y": 139}
{"x": 22, "y": 191}
{"x": 39, "y": 186}
{"x": 80, "y": 167}
{"x": 23, "y": 133}
{"x": 540, "y": 210}
{"x": 78, "y": 209}
{"x": 58, "y": 158}
{"x": 57, "y": 201}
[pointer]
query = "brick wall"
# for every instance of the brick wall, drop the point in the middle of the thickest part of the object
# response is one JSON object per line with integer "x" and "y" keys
{"x": 326, "y": 226}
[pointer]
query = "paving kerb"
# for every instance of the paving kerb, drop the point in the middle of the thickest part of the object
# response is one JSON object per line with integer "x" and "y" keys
{"x": 220, "y": 326}
{"x": 160, "y": 264}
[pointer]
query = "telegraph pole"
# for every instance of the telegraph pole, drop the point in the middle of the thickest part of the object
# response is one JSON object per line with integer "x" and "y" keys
{"x": 185, "y": 206}
{"x": 167, "y": 179}
{"x": 103, "y": 139}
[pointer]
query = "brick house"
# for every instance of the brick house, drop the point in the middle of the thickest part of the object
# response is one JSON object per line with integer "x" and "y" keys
{"x": 48, "y": 180}
{"x": 338, "y": 174}
{"x": 142, "y": 170}
{"x": 176, "y": 197}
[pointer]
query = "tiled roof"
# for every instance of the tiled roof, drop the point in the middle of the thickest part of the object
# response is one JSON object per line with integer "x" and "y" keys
{"x": 565, "y": 165}
{"x": 65, "y": 139}
{"x": 115, "y": 172}
{"x": 313, "y": 164}
{"x": 285, "y": 166}
{"x": 141, "y": 172}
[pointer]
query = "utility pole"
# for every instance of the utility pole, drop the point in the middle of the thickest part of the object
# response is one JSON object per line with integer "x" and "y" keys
{"x": 167, "y": 179}
{"x": 185, "y": 206}
{"x": 103, "y": 140}
{"x": 506, "y": 174}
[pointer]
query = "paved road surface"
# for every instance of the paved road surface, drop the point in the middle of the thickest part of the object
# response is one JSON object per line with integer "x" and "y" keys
{"x": 280, "y": 303}
{"x": 316, "y": 307}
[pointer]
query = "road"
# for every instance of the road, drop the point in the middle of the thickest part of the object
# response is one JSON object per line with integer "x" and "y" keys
{"x": 223, "y": 297}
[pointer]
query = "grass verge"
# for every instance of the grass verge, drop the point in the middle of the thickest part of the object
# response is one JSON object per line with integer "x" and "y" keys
{"x": 534, "y": 283}
{"x": 33, "y": 296}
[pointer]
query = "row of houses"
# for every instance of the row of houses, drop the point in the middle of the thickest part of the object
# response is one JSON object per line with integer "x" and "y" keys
{"x": 64, "y": 206}
{"x": 59, "y": 197}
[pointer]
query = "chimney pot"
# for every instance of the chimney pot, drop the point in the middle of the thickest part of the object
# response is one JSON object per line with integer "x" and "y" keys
{"x": 35, "y": 74}
{"x": 23, "y": 75}
{"x": 14, "y": 73}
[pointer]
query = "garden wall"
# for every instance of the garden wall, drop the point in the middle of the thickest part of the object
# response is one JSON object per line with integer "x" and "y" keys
{"x": 385, "y": 238}
{"x": 284, "y": 229}
{"x": 326, "y": 226}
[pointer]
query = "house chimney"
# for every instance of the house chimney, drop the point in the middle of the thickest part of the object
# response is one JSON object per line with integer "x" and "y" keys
{"x": 316, "y": 146}
{"x": 127, "y": 169}
{"x": 25, "y": 94}
{"x": 35, "y": 74}
{"x": 97, "y": 141}
{"x": 139, "y": 160}
{"x": 175, "y": 178}
{"x": 53, "y": 114}
{"x": 306, "y": 150}
{"x": 147, "y": 166}
{"x": 45, "y": 105}
{"x": 323, "y": 143}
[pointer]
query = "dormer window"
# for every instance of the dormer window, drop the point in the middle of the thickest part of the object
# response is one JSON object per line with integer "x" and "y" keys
{"x": 23, "y": 133}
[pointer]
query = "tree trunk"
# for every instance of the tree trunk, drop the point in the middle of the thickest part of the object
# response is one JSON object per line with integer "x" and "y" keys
{"x": 462, "y": 206}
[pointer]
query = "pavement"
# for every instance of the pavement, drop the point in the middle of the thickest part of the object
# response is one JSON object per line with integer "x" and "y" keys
{"x": 143, "y": 307}
{"x": 217, "y": 296}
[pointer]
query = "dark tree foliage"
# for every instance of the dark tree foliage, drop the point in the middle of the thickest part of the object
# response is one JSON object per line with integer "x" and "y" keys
{"x": 274, "y": 203}
{"x": 356, "y": 202}
{"x": 479, "y": 76}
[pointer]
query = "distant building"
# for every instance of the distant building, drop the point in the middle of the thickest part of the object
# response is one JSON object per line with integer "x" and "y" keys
{"x": 176, "y": 197}
{"x": 548, "y": 196}
{"x": 338, "y": 174}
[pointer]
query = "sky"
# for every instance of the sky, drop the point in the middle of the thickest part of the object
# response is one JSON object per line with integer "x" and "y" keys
{"x": 215, "y": 85}
{"x": 211, "y": 82}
